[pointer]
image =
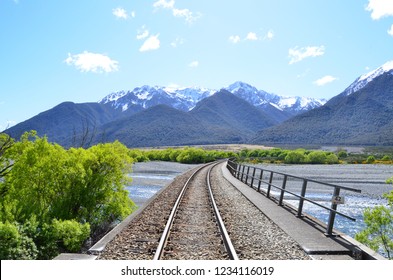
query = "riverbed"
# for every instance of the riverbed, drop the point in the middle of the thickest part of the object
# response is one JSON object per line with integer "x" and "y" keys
{"x": 149, "y": 177}
{"x": 369, "y": 178}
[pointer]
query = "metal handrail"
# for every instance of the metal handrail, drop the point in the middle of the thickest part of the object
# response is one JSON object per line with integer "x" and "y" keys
{"x": 239, "y": 171}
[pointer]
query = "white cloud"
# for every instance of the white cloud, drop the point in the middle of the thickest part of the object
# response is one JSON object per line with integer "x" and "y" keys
{"x": 380, "y": 8}
{"x": 92, "y": 62}
{"x": 234, "y": 39}
{"x": 325, "y": 80}
{"x": 194, "y": 64}
{"x": 251, "y": 36}
{"x": 178, "y": 41}
{"x": 269, "y": 35}
{"x": 7, "y": 124}
{"x": 189, "y": 16}
{"x": 186, "y": 14}
{"x": 164, "y": 4}
{"x": 151, "y": 43}
{"x": 142, "y": 33}
{"x": 390, "y": 31}
{"x": 133, "y": 14}
{"x": 298, "y": 54}
{"x": 120, "y": 13}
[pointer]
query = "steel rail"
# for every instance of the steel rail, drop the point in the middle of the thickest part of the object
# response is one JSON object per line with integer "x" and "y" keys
{"x": 165, "y": 235}
{"x": 224, "y": 233}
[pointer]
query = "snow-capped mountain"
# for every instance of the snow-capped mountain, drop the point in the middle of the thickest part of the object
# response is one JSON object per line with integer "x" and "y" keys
{"x": 363, "y": 80}
{"x": 260, "y": 98}
{"x": 146, "y": 96}
{"x": 187, "y": 97}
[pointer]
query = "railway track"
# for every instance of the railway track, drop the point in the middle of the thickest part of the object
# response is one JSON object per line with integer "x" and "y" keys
{"x": 195, "y": 229}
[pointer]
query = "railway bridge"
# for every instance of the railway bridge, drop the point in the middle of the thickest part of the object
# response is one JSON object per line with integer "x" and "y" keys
{"x": 226, "y": 210}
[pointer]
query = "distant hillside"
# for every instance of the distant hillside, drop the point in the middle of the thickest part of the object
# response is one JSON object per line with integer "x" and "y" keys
{"x": 65, "y": 123}
{"x": 162, "y": 125}
{"x": 221, "y": 118}
{"x": 226, "y": 109}
{"x": 362, "y": 117}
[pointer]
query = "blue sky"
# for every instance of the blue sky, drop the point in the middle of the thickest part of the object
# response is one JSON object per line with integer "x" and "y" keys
{"x": 80, "y": 51}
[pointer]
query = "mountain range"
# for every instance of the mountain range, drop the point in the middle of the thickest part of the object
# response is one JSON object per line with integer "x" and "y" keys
{"x": 154, "y": 116}
{"x": 361, "y": 115}
{"x": 186, "y": 99}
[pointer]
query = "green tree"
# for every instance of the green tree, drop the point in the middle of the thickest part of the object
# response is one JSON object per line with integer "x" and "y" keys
{"x": 54, "y": 194}
{"x": 370, "y": 160}
{"x": 6, "y": 143}
{"x": 316, "y": 157}
{"x": 332, "y": 159}
{"x": 70, "y": 234}
{"x": 295, "y": 157}
{"x": 342, "y": 154}
{"x": 378, "y": 234}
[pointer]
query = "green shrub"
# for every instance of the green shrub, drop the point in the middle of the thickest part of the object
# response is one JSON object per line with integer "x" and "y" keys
{"x": 378, "y": 234}
{"x": 295, "y": 157}
{"x": 70, "y": 234}
{"x": 370, "y": 160}
{"x": 15, "y": 244}
{"x": 332, "y": 159}
{"x": 342, "y": 154}
{"x": 316, "y": 157}
{"x": 386, "y": 158}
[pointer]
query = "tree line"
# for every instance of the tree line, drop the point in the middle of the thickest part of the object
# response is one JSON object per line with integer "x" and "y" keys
{"x": 192, "y": 155}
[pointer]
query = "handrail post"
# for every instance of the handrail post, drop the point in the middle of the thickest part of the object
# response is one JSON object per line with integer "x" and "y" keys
{"x": 284, "y": 183}
{"x": 270, "y": 184}
{"x": 332, "y": 214}
{"x": 260, "y": 180}
{"x": 301, "y": 200}
{"x": 248, "y": 171}
{"x": 252, "y": 178}
{"x": 242, "y": 173}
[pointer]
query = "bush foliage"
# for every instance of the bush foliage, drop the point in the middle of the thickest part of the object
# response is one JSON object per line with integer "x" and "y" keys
{"x": 378, "y": 234}
{"x": 53, "y": 199}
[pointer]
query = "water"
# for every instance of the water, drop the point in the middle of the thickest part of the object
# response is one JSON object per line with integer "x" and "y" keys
{"x": 369, "y": 178}
{"x": 150, "y": 177}
{"x": 146, "y": 185}
{"x": 354, "y": 207}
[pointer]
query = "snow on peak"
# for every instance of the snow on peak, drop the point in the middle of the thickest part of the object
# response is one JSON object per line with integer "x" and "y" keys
{"x": 240, "y": 85}
{"x": 113, "y": 97}
{"x": 263, "y": 98}
{"x": 377, "y": 72}
{"x": 363, "y": 80}
{"x": 185, "y": 98}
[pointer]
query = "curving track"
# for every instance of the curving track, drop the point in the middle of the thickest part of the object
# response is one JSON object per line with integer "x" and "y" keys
{"x": 193, "y": 231}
